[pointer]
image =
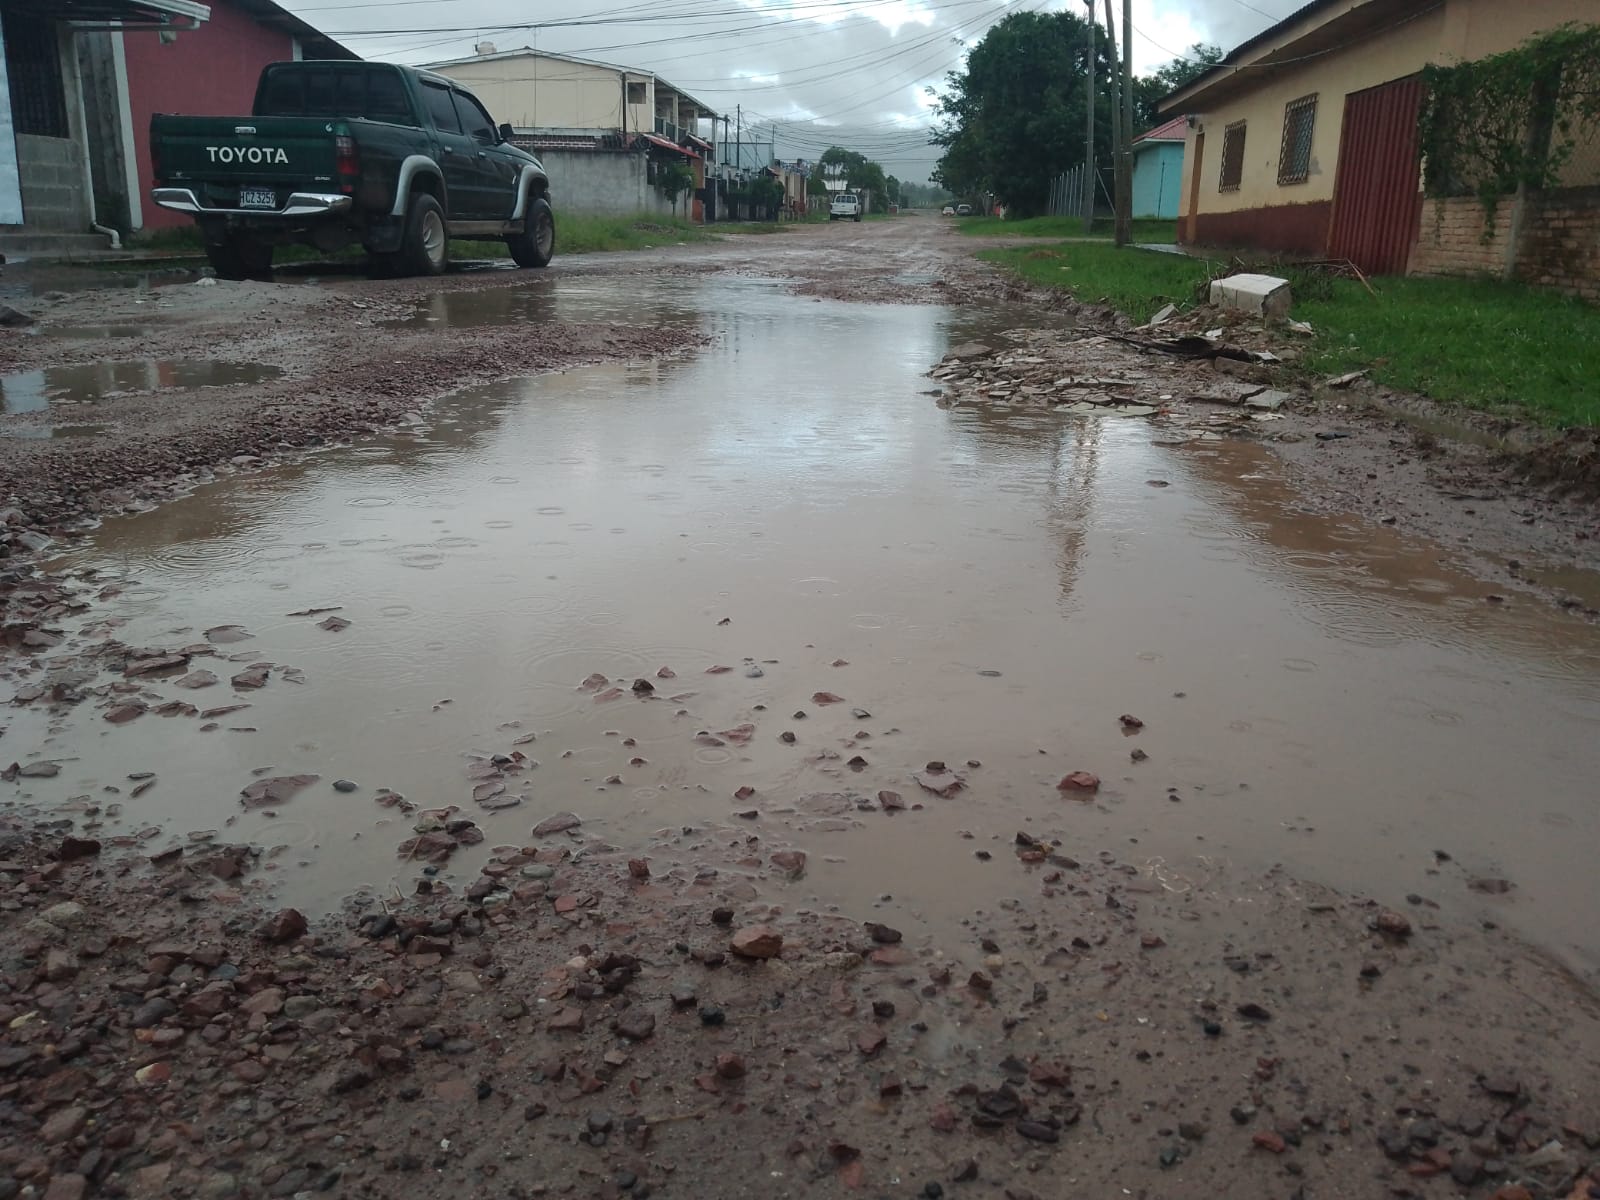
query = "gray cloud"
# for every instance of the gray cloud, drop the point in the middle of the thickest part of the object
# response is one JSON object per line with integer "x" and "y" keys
{"x": 854, "y": 72}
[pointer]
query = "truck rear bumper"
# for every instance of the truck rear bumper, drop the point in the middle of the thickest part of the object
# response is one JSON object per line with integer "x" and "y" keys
{"x": 299, "y": 204}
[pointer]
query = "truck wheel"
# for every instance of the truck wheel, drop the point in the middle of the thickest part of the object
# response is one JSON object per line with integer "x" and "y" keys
{"x": 535, "y": 246}
{"x": 423, "y": 246}
{"x": 240, "y": 258}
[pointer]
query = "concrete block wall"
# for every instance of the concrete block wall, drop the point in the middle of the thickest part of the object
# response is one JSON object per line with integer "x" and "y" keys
{"x": 53, "y": 193}
{"x": 603, "y": 183}
{"x": 1452, "y": 241}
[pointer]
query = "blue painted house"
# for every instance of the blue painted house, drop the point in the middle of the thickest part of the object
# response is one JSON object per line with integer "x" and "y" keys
{"x": 1158, "y": 170}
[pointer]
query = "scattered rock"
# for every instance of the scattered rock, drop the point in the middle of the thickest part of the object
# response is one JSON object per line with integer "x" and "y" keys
{"x": 757, "y": 941}
{"x": 559, "y": 823}
{"x": 1079, "y": 781}
{"x": 1392, "y": 924}
{"x": 283, "y": 926}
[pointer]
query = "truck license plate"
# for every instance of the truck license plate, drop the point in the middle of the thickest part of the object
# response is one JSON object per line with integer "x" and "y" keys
{"x": 258, "y": 198}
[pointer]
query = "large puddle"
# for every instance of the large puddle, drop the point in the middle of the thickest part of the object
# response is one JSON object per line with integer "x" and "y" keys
{"x": 1001, "y": 587}
{"x": 89, "y": 383}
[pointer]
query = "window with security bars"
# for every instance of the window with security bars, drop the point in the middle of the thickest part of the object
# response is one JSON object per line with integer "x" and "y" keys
{"x": 33, "y": 63}
{"x": 1294, "y": 157}
{"x": 1232, "y": 157}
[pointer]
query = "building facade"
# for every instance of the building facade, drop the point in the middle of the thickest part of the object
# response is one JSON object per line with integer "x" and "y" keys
{"x": 1158, "y": 171}
{"x": 607, "y": 132}
{"x": 1303, "y": 140}
{"x": 81, "y": 80}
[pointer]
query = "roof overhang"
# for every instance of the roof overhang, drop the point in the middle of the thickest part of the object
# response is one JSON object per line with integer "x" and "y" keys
{"x": 1320, "y": 28}
{"x": 313, "y": 42}
{"x": 122, "y": 14}
{"x": 664, "y": 144}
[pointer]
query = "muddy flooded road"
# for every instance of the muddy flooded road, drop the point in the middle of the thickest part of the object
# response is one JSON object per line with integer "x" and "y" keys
{"x": 989, "y": 589}
{"x": 644, "y": 729}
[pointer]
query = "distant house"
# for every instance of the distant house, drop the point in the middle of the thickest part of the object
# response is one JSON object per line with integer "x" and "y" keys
{"x": 1304, "y": 140}
{"x": 606, "y": 132}
{"x": 79, "y": 81}
{"x": 1158, "y": 170}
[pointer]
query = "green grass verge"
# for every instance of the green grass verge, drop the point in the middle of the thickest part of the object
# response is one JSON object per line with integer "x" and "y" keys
{"x": 1065, "y": 227}
{"x": 1477, "y": 342}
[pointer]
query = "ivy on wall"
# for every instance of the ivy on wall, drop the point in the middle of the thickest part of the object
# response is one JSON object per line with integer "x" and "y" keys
{"x": 1510, "y": 120}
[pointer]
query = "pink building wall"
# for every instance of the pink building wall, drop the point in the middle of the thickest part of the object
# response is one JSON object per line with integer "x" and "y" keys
{"x": 210, "y": 71}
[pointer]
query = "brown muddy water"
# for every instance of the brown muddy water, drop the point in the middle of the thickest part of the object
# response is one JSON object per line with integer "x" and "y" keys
{"x": 1002, "y": 586}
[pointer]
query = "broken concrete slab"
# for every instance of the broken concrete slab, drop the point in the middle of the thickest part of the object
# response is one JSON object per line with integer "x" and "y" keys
{"x": 1263, "y": 295}
{"x": 1268, "y": 401}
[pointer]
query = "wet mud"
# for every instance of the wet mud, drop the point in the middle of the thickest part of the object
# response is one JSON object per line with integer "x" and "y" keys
{"x": 1052, "y": 792}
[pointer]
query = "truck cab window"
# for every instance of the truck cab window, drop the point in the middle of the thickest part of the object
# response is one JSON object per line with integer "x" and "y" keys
{"x": 439, "y": 105}
{"x": 386, "y": 97}
{"x": 319, "y": 93}
{"x": 284, "y": 95}
{"x": 479, "y": 126}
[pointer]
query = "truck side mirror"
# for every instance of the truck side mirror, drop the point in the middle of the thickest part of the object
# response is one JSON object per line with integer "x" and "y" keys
{"x": 506, "y": 132}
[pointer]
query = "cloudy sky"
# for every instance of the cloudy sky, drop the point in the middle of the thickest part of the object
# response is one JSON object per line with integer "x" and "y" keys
{"x": 852, "y": 72}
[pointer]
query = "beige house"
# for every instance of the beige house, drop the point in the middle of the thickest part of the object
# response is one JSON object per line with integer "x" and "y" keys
{"x": 555, "y": 93}
{"x": 1303, "y": 140}
{"x": 608, "y": 135}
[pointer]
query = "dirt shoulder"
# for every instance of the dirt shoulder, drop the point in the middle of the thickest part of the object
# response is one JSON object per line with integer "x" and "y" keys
{"x": 1514, "y": 502}
{"x": 677, "y": 1022}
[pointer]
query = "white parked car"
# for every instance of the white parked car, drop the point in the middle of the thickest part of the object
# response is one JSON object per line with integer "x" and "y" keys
{"x": 846, "y": 206}
{"x": 949, "y": 211}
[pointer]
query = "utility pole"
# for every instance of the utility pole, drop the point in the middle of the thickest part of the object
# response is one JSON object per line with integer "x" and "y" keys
{"x": 1088, "y": 143}
{"x": 1114, "y": 92}
{"x": 1125, "y": 177}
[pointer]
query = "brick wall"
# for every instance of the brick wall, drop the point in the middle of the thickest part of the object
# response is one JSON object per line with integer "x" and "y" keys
{"x": 1559, "y": 244}
{"x": 1451, "y": 240}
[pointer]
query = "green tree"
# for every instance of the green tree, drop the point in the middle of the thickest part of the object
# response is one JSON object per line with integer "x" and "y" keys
{"x": 892, "y": 189}
{"x": 673, "y": 181}
{"x": 1150, "y": 90}
{"x": 766, "y": 193}
{"x": 860, "y": 172}
{"x": 1014, "y": 116}
{"x": 815, "y": 185}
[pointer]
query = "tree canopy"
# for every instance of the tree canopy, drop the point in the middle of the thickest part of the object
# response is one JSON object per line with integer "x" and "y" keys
{"x": 860, "y": 172}
{"x": 1014, "y": 116}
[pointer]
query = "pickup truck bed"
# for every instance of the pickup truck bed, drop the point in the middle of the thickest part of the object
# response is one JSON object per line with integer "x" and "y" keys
{"x": 337, "y": 153}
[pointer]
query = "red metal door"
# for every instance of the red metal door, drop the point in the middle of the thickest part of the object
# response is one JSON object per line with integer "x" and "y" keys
{"x": 1377, "y": 192}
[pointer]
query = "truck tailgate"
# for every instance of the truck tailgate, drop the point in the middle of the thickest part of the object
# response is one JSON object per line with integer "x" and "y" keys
{"x": 222, "y": 154}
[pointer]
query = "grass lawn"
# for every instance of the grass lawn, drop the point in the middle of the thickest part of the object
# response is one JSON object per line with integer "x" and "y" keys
{"x": 1482, "y": 343}
{"x": 1065, "y": 227}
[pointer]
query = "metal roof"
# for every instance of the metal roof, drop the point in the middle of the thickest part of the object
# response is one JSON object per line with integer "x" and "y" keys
{"x": 1175, "y": 130}
{"x": 1280, "y": 45}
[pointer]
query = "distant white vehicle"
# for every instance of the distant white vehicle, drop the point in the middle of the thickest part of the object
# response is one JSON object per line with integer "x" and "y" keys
{"x": 963, "y": 210}
{"x": 949, "y": 211}
{"x": 846, "y": 206}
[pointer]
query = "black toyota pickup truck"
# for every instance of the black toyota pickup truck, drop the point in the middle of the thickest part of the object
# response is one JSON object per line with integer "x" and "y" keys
{"x": 336, "y": 153}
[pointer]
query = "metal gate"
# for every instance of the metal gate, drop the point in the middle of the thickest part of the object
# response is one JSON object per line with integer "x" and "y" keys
{"x": 1377, "y": 192}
